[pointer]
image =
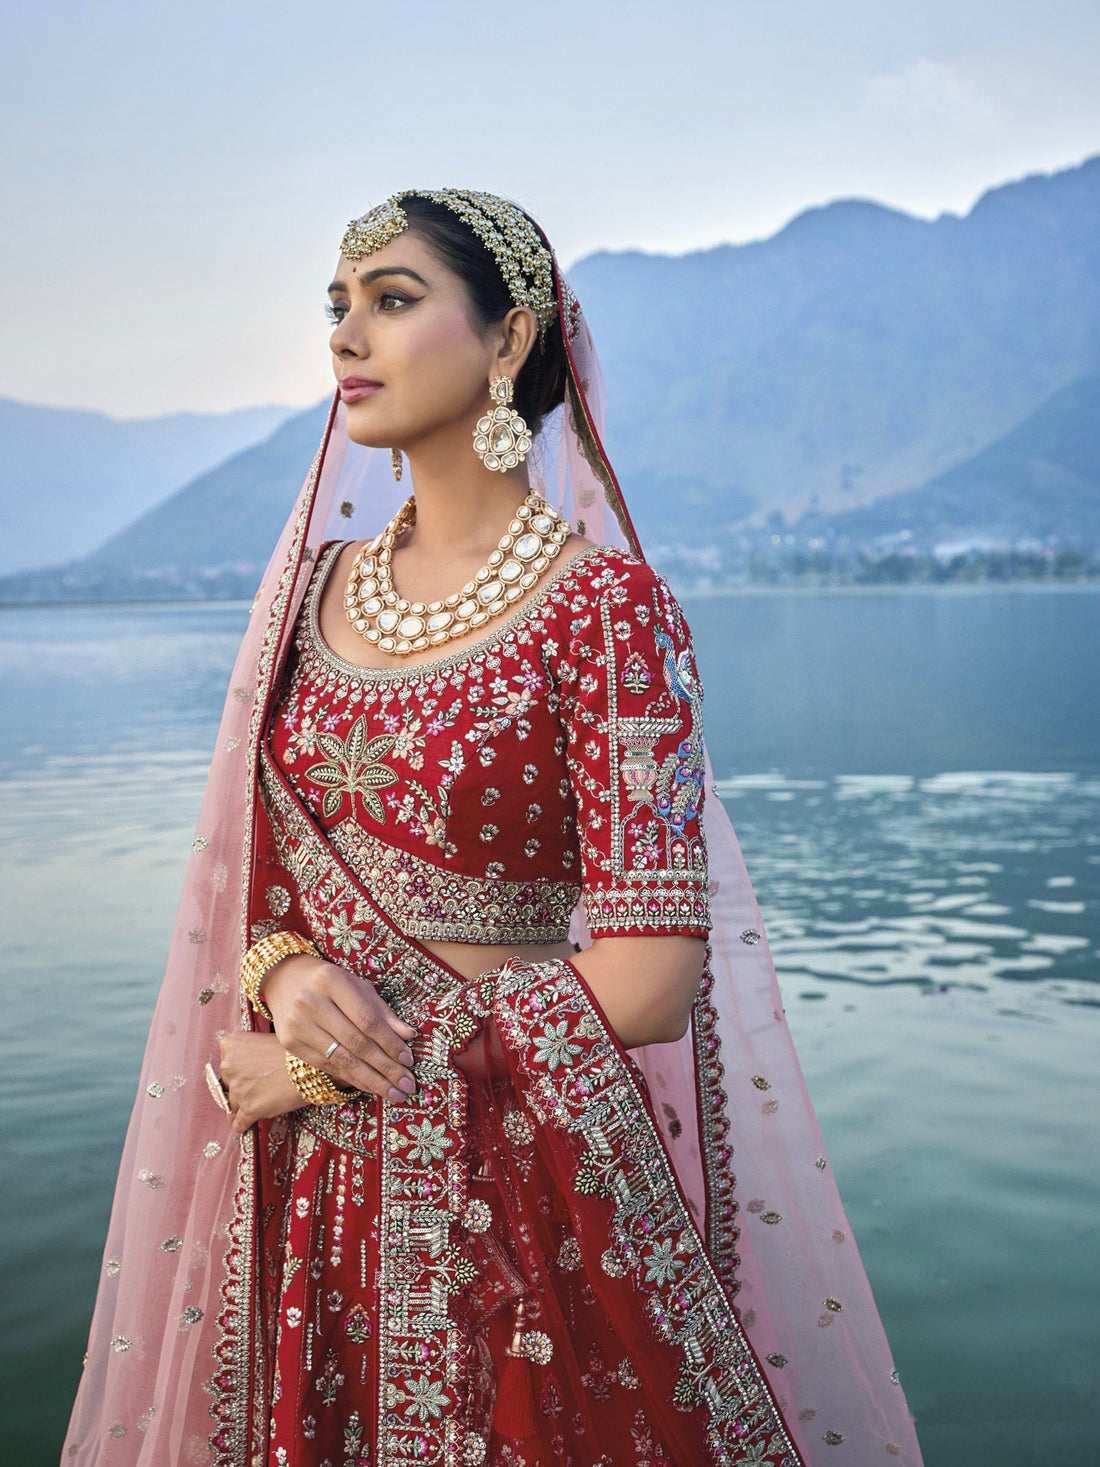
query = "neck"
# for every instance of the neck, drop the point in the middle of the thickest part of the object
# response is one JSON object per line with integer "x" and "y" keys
{"x": 462, "y": 508}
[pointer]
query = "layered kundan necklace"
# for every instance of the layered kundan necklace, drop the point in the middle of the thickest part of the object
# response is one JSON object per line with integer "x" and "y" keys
{"x": 395, "y": 625}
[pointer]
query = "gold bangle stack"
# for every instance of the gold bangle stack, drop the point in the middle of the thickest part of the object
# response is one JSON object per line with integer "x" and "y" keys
{"x": 262, "y": 956}
{"x": 313, "y": 1084}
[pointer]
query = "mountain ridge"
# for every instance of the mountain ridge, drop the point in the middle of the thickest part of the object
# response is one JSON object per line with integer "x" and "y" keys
{"x": 858, "y": 355}
{"x": 71, "y": 477}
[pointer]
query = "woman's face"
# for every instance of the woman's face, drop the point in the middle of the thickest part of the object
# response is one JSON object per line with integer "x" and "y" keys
{"x": 408, "y": 358}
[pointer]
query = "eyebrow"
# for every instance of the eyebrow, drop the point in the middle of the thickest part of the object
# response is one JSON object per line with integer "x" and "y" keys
{"x": 372, "y": 275}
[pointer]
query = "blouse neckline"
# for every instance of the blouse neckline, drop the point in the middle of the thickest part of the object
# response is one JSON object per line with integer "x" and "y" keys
{"x": 322, "y": 650}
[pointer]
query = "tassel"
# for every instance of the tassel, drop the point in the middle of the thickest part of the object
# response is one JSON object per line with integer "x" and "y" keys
{"x": 515, "y": 1417}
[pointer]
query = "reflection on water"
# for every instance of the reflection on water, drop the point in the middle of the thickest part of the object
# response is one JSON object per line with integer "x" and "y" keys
{"x": 937, "y": 942}
{"x": 955, "y": 880}
{"x": 936, "y": 934}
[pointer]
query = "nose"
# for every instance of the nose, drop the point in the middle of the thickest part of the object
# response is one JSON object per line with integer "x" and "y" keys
{"x": 347, "y": 340}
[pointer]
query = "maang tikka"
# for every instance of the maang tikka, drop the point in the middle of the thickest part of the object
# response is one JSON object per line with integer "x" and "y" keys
{"x": 501, "y": 439}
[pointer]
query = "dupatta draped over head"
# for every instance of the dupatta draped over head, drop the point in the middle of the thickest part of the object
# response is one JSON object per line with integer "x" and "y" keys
{"x": 765, "y": 1312}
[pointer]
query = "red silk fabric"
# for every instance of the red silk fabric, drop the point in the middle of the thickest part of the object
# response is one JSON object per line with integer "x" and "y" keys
{"x": 481, "y": 795}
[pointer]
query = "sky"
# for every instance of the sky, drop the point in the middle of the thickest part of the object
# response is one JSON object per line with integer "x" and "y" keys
{"x": 178, "y": 177}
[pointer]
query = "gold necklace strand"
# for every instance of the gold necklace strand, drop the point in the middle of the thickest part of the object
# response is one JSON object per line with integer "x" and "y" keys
{"x": 396, "y": 625}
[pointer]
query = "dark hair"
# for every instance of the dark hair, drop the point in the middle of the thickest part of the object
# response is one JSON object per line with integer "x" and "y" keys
{"x": 540, "y": 386}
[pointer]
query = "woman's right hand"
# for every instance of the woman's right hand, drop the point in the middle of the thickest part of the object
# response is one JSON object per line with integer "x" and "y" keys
{"x": 314, "y": 1002}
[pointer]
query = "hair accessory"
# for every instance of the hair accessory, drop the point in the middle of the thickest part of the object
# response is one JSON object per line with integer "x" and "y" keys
{"x": 313, "y": 1084}
{"x": 501, "y": 439}
{"x": 393, "y": 624}
{"x": 262, "y": 957}
{"x": 525, "y": 261}
{"x": 396, "y": 460}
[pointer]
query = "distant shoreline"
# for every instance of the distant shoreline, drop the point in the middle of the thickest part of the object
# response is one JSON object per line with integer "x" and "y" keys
{"x": 920, "y": 588}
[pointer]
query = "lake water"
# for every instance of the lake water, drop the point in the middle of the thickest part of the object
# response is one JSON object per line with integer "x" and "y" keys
{"x": 915, "y": 778}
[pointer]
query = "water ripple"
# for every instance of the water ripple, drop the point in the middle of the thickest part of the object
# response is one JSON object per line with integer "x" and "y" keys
{"x": 887, "y": 879}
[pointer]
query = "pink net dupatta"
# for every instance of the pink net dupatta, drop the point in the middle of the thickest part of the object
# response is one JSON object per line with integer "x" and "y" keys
{"x": 168, "y": 1348}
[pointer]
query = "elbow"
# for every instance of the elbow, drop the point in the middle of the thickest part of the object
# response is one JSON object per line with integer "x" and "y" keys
{"x": 678, "y": 1029}
{"x": 657, "y": 1029}
{"x": 672, "y": 1026}
{"x": 645, "y": 985}
{"x": 673, "y": 1018}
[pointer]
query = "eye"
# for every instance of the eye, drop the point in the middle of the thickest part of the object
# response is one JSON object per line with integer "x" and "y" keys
{"x": 393, "y": 300}
{"x": 336, "y": 313}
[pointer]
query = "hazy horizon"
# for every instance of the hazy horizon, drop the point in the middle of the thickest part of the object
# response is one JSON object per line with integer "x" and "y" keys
{"x": 194, "y": 170}
{"x": 325, "y": 390}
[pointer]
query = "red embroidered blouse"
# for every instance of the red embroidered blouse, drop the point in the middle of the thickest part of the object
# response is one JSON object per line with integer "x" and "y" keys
{"x": 479, "y": 796}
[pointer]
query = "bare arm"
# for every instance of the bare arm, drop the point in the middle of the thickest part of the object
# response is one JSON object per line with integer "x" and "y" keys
{"x": 645, "y": 985}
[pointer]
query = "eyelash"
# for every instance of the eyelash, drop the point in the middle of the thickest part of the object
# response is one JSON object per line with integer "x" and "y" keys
{"x": 337, "y": 313}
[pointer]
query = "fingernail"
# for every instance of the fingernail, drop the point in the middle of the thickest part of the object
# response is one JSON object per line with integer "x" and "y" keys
{"x": 404, "y": 1058}
{"x": 397, "y": 1094}
{"x": 407, "y": 1083}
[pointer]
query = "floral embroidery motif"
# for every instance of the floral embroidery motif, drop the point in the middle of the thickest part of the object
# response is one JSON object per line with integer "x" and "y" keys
{"x": 554, "y": 1047}
{"x": 354, "y": 768}
{"x": 636, "y": 676}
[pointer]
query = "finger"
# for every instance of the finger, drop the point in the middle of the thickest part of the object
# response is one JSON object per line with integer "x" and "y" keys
{"x": 364, "y": 1066}
{"x": 374, "y": 1017}
{"x": 360, "y": 1061}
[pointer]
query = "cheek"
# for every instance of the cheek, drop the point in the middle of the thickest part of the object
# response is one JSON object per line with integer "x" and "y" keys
{"x": 442, "y": 350}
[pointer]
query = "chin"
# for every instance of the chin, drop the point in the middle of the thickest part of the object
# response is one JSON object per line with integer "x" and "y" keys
{"x": 362, "y": 430}
{"x": 367, "y": 438}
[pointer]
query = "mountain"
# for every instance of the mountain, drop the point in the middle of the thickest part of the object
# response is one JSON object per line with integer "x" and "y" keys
{"x": 856, "y": 357}
{"x": 69, "y": 479}
{"x": 1040, "y": 482}
{"x": 858, "y": 352}
{"x": 211, "y": 538}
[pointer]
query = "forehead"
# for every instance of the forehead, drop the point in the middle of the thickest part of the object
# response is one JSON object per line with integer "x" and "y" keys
{"x": 407, "y": 251}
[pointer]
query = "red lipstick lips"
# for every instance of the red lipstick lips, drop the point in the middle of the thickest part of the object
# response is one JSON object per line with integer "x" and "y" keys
{"x": 353, "y": 388}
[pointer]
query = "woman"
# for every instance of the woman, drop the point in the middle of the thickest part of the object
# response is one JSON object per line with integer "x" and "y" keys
{"x": 481, "y": 1208}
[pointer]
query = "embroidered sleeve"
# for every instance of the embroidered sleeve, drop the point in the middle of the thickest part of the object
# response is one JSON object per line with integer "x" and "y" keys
{"x": 276, "y": 901}
{"x": 635, "y": 754}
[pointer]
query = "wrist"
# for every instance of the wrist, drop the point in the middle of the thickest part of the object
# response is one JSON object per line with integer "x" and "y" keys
{"x": 262, "y": 957}
{"x": 277, "y": 976}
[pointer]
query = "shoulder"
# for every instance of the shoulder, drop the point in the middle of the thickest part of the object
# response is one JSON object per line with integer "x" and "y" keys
{"x": 611, "y": 580}
{"x": 600, "y": 569}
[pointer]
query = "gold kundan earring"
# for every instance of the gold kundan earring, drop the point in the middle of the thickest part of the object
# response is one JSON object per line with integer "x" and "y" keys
{"x": 501, "y": 439}
{"x": 395, "y": 459}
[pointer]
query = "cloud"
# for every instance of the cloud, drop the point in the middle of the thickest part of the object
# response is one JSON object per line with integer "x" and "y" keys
{"x": 932, "y": 94}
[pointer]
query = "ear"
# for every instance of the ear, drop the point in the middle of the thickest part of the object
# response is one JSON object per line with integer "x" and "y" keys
{"x": 518, "y": 333}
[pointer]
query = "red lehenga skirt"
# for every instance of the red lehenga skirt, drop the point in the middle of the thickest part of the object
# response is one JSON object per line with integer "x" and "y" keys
{"x": 503, "y": 1271}
{"x": 548, "y": 1379}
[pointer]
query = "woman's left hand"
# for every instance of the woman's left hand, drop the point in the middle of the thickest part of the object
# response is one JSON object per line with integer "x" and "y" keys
{"x": 254, "y": 1072}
